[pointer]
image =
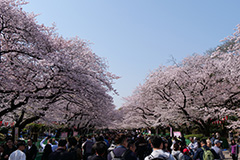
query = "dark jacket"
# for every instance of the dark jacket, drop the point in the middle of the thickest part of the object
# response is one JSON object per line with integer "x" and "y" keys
{"x": 95, "y": 157}
{"x": 31, "y": 153}
{"x": 199, "y": 153}
{"x": 8, "y": 151}
{"x": 120, "y": 150}
{"x": 60, "y": 154}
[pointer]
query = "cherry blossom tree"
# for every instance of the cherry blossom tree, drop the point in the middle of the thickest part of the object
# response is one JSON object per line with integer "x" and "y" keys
{"x": 199, "y": 90}
{"x": 44, "y": 76}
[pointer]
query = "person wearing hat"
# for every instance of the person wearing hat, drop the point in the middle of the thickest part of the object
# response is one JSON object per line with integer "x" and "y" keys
{"x": 186, "y": 154}
{"x": 18, "y": 154}
{"x": 216, "y": 148}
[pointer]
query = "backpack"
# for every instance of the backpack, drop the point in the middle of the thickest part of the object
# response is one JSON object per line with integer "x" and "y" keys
{"x": 207, "y": 154}
{"x": 121, "y": 157}
{"x": 151, "y": 157}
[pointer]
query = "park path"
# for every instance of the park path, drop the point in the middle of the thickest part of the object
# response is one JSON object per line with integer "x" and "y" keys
{"x": 227, "y": 155}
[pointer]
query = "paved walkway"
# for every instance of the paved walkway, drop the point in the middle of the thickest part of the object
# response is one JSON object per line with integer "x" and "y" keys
{"x": 227, "y": 155}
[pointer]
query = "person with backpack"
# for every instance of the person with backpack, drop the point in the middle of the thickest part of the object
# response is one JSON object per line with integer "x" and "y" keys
{"x": 158, "y": 153}
{"x": 217, "y": 149}
{"x": 61, "y": 152}
{"x": 121, "y": 152}
{"x": 87, "y": 147}
{"x": 204, "y": 152}
{"x": 209, "y": 144}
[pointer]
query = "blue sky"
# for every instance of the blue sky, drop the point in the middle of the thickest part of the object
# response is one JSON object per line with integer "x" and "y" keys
{"x": 136, "y": 36}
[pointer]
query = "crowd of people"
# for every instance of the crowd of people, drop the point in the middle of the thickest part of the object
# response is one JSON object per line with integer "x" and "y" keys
{"x": 118, "y": 146}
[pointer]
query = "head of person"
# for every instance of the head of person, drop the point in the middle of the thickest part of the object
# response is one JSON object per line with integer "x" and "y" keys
{"x": 62, "y": 143}
{"x": 233, "y": 142}
{"x": 100, "y": 148}
{"x": 72, "y": 141}
{"x": 21, "y": 145}
{"x": 49, "y": 140}
{"x": 195, "y": 139}
{"x": 89, "y": 137}
{"x": 131, "y": 145}
{"x": 217, "y": 143}
{"x": 209, "y": 143}
{"x": 9, "y": 143}
{"x": 191, "y": 139}
{"x": 203, "y": 142}
{"x": 100, "y": 138}
{"x": 121, "y": 139}
{"x": 47, "y": 149}
{"x": 176, "y": 147}
{"x": 1, "y": 148}
{"x": 185, "y": 151}
{"x": 156, "y": 142}
{"x": 29, "y": 142}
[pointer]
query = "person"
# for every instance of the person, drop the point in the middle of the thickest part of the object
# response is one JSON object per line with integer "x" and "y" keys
{"x": 121, "y": 149}
{"x": 233, "y": 150}
{"x": 209, "y": 144}
{"x": 50, "y": 141}
{"x": 61, "y": 153}
{"x": 158, "y": 153}
{"x": 46, "y": 152}
{"x": 193, "y": 146}
{"x": 1, "y": 151}
{"x": 100, "y": 149}
{"x": 8, "y": 149}
{"x": 177, "y": 154}
{"x": 132, "y": 148}
{"x": 186, "y": 154}
{"x": 217, "y": 135}
{"x": 200, "y": 151}
{"x": 73, "y": 148}
{"x": 216, "y": 148}
{"x": 231, "y": 135}
{"x": 213, "y": 139}
{"x": 31, "y": 150}
{"x": 19, "y": 153}
{"x": 87, "y": 147}
{"x": 141, "y": 147}
{"x": 166, "y": 147}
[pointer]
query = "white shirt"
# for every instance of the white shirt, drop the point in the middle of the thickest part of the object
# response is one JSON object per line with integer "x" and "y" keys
{"x": 17, "y": 155}
{"x": 193, "y": 146}
{"x": 54, "y": 147}
{"x": 158, "y": 154}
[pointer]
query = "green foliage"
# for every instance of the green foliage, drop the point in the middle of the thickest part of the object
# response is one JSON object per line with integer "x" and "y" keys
{"x": 199, "y": 136}
{"x": 3, "y": 130}
{"x": 225, "y": 142}
{"x": 204, "y": 138}
{"x": 2, "y": 137}
{"x": 196, "y": 131}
